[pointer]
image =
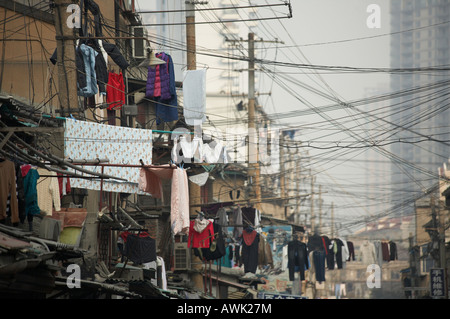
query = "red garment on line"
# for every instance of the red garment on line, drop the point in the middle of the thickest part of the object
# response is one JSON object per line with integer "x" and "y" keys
{"x": 200, "y": 240}
{"x": 124, "y": 235}
{"x": 249, "y": 237}
{"x": 115, "y": 91}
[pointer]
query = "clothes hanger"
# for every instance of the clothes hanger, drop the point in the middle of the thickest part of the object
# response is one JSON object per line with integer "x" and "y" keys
{"x": 201, "y": 215}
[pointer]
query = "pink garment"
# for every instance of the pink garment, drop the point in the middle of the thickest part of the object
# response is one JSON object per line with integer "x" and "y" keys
{"x": 179, "y": 212}
{"x": 150, "y": 179}
{"x": 157, "y": 91}
{"x": 150, "y": 182}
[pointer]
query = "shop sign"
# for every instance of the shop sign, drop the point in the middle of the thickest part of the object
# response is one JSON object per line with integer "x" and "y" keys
{"x": 437, "y": 282}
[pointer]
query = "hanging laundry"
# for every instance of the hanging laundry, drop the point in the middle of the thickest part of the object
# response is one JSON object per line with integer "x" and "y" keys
{"x": 140, "y": 248}
{"x": 343, "y": 251}
{"x": 115, "y": 91}
{"x": 329, "y": 252}
{"x": 367, "y": 253}
{"x": 393, "y": 255}
{"x": 337, "y": 248}
{"x": 8, "y": 188}
{"x": 89, "y": 56}
{"x": 251, "y": 216}
{"x": 80, "y": 65}
{"x": 30, "y": 190}
{"x": 194, "y": 96}
{"x": 101, "y": 67}
{"x": 114, "y": 53}
{"x": 237, "y": 221}
{"x": 162, "y": 279}
{"x": 351, "y": 251}
{"x": 250, "y": 245}
{"x": 319, "y": 265}
{"x": 179, "y": 204}
{"x": 20, "y": 193}
{"x": 150, "y": 181}
{"x": 194, "y": 149}
{"x": 48, "y": 192}
{"x": 161, "y": 89}
{"x": 340, "y": 291}
{"x": 385, "y": 251}
{"x": 199, "y": 179}
{"x": 188, "y": 147}
{"x": 64, "y": 185}
{"x": 217, "y": 247}
{"x": 214, "y": 152}
{"x": 378, "y": 252}
{"x": 212, "y": 209}
{"x": 191, "y": 147}
{"x": 297, "y": 258}
{"x": 315, "y": 243}
{"x": 201, "y": 233}
{"x": 222, "y": 219}
{"x": 237, "y": 255}
{"x": 264, "y": 253}
{"x": 88, "y": 140}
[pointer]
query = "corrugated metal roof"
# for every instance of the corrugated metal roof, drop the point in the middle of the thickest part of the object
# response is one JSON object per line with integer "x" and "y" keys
{"x": 12, "y": 243}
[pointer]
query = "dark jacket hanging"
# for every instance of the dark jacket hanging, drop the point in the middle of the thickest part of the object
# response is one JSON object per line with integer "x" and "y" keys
{"x": 351, "y": 251}
{"x": 250, "y": 245}
{"x": 297, "y": 259}
{"x": 393, "y": 251}
{"x": 216, "y": 248}
{"x": 338, "y": 252}
{"x": 329, "y": 252}
{"x": 315, "y": 243}
{"x": 140, "y": 249}
{"x": 79, "y": 63}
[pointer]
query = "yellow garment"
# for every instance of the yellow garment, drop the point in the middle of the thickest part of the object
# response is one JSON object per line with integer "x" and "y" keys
{"x": 48, "y": 192}
{"x": 70, "y": 235}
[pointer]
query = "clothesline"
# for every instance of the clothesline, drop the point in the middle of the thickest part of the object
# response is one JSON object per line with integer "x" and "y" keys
{"x": 154, "y": 131}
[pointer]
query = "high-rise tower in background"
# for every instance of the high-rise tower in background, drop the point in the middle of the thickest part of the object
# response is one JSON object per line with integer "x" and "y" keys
{"x": 420, "y": 39}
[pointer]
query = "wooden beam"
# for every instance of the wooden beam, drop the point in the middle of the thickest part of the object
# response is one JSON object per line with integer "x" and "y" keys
{"x": 32, "y": 129}
{"x": 2, "y": 143}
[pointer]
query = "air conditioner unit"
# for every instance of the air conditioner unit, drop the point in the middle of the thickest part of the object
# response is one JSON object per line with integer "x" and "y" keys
{"x": 182, "y": 257}
{"x": 139, "y": 43}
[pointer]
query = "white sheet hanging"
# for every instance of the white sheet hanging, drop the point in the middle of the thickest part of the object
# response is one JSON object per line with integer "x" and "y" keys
{"x": 121, "y": 145}
{"x": 199, "y": 179}
{"x": 194, "y": 96}
{"x": 211, "y": 154}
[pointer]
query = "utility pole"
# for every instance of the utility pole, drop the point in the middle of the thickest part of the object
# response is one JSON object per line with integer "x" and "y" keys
{"x": 67, "y": 76}
{"x": 253, "y": 165}
{"x": 297, "y": 184}
{"x": 320, "y": 209}
{"x": 194, "y": 189}
{"x": 313, "y": 222}
{"x": 253, "y": 160}
{"x": 332, "y": 220}
{"x": 282, "y": 175}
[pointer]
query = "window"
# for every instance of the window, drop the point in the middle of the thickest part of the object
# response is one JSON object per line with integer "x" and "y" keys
{"x": 426, "y": 263}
